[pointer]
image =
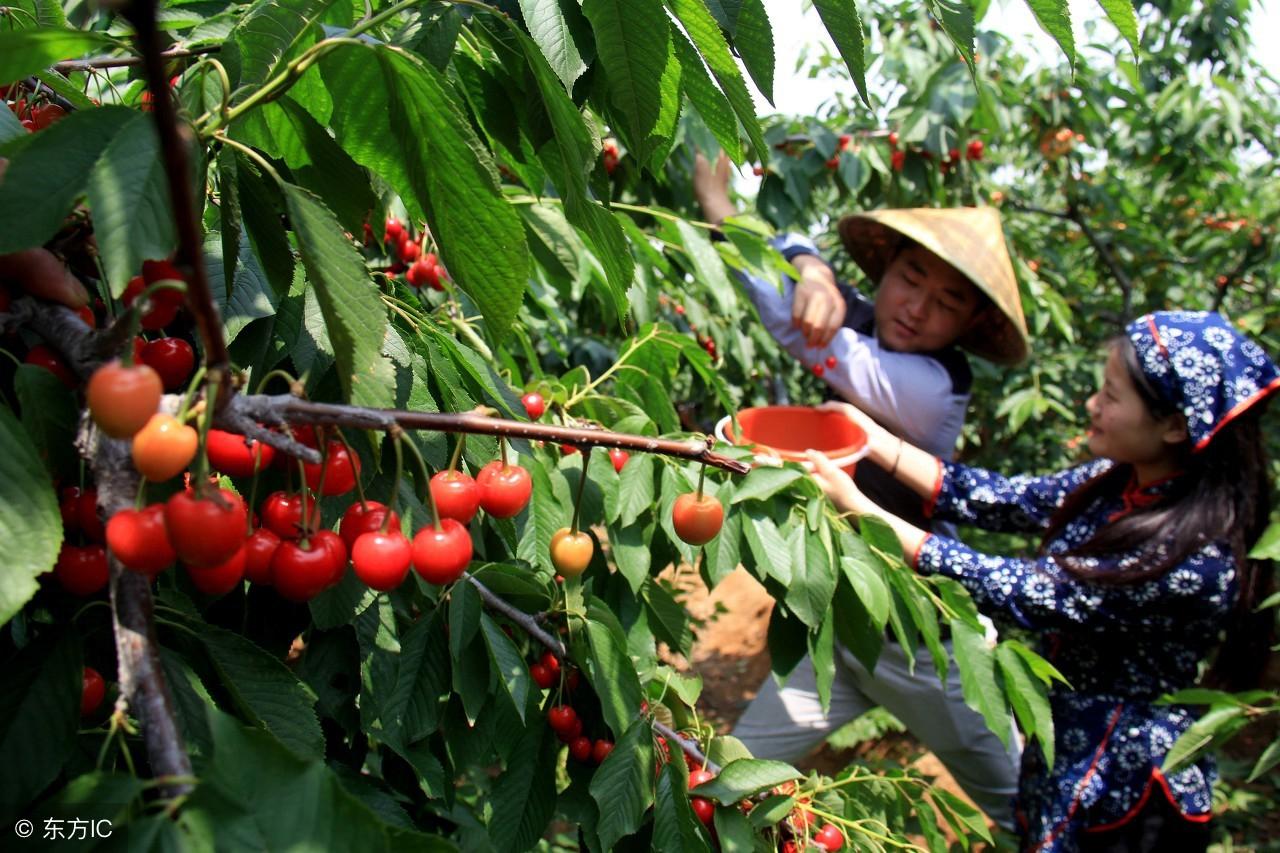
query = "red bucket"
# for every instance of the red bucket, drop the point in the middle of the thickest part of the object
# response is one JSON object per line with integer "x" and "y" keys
{"x": 784, "y": 433}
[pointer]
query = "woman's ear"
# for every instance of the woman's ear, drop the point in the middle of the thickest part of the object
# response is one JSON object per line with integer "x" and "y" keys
{"x": 1174, "y": 429}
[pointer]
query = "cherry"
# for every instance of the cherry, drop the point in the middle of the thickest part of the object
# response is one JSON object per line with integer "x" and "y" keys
{"x": 234, "y": 454}
{"x": 337, "y": 551}
{"x": 757, "y": 170}
{"x": 456, "y": 495}
{"x": 550, "y": 661}
{"x": 139, "y": 541}
{"x": 817, "y": 369}
{"x": 301, "y": 570}
{"x": 953, "y": 155}
{"x": 897, "y": 160}
{"x": 164, "y": 304}
{"x": 122, "y": 399}
{"x": 580, "y": 749}
{"x": 282, "y": 514}
{"x": 341, "y": 470}
{"x": 504, "y": 489}
{"x": 834, "y": 162}
{"x": 698, "y": 776}
{"x": 41, "y": 356}
{"x": 381, "y": 560}
{"x": 259, "y": 548}
{"x": 92, "y": 691}
{"x": 421, "y": 273}
{"x": 571, "y": 552}
{"x": 704, "y": 809}
{"x": 409, "y": 251}
{"x": 367, "y": 517}
{"x": 829, "y": 838}
{"x": 831, "y": 362}
{"x": 222, "y": 578}
{"x": 573, "y": 732}
{"x": 432, "y": 272}
{"x": 441, "y": 555}
{"x": 204, "y": 531}
{"x": 542, "y": 676}
{"x": 82, "y": 570}
{"x": 46, "y": 115}
{"x": 846, "y": 140}
{"x": 68, "y": 508}
{"x": 163, "y": 448}
{"x": 172, "y": 358}
{"x": 85, "y": 313}
{"x": 600, "y": 751}
{"x": 394, "y": 231}
{"x": 975, "y": 149}
{"x": 87, "y": 515}
{"x": 534, "y": 405}
{"x": 618, "y": 457}
{"x": 561, "y": 718}
{"x": 568, "y": 449}
{"x": 697, "y": 520}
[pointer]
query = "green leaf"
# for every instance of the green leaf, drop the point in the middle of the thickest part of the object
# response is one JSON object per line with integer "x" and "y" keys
{"x": 813, "y": 578}
{"x": 763, "y": 483}
{"x": 550, "y": 30}
{"x": 709, "y": 101}
{"x": 353, "y": 313}
{"x": 869, "y": 586}
{"x": 675, "y": 827}
{"x": 24, "y": 52}
{"x": 623, "y": 786}
{"x": 28, "y": 514}
{"x": 1054, "y": 17}
{"x": 746, "y": 777}
{"x": 396, "y": 115}
{"x": 1121, "y": 13}
{"x": 39, "y": 714}
{"x": 822, "y": 653}
{"x": 964, "y": 818}
{"x": 1270, "y": 758}
{"x": 129, "y": 197}
{"x": 635, "y": 488}
{"x": 507, "y": 663}
{"x": 956, "y": 19}
{"x": 633, "y": 42}
{"x": 733, "y": 830}
{"x": 978, "y": 678}
{"x": 609, "y": 668}
{"x": 753, "y": 37}
{"x": 524, "y": 796}
{"x": 44, "y": 181}
{"x": 540, "y": 521}
{"x": 10, "y": 127}
{"x": 707, "y": 37}
{"x": 266, "y": 36}
{"x": 422, "y": 679}
{"x": 843, "y": 22}
{"x": 252, "y": 297}
{"x": 1216, "y": 726}
{"x": 668, "y": 618}
{"x": 1029, "y": 698}
{"x": 1268, "y": 545}
{"x": 51, "y": 417}
{"x": 464, "y": 616}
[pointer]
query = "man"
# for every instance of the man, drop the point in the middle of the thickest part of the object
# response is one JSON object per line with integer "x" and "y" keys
{"x": 945, "y": 281}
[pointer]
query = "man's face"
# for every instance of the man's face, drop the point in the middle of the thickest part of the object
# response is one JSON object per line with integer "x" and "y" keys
{"x": 923, "y": 303}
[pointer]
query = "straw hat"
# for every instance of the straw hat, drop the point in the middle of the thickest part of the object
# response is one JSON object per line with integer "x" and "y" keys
{"x": 971, "y": 240}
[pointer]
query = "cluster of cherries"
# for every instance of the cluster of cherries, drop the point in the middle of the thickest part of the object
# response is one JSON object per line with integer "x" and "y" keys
{"x": 843, "y": 144}
{"x": 420, "y": 268}
{"x": 974, "y": 150}
{"x": 34, "y": 116}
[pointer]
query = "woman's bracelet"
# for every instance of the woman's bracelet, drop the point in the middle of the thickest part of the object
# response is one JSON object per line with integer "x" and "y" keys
{"x": 897, "y": 457}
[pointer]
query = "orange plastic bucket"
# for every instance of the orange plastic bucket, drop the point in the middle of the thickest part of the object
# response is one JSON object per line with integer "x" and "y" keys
{"x": 784, "y": 433}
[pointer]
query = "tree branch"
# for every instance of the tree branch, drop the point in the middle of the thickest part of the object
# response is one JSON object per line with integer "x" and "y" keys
{"x": 72, "y": 65}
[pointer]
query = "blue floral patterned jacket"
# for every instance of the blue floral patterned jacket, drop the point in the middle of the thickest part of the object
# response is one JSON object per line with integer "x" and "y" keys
{"x": 1120, "y": 647}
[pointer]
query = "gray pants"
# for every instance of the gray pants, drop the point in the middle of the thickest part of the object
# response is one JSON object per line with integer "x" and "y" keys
{"x": 786, "y": 723}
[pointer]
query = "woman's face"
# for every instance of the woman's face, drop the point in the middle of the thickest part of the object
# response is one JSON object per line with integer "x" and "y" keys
{"x": 1122, "y": 428}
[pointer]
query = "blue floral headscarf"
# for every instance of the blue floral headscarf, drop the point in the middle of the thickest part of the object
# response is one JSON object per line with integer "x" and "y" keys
{"x": 1207, "y": 370}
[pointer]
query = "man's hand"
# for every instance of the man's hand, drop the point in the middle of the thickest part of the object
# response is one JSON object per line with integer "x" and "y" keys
{"x": 817, "y": 307}
{"x": 711, "y": 187}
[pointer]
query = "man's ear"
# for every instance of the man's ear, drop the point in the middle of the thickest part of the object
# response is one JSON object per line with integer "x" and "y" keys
{"x": 1174, "y": 430}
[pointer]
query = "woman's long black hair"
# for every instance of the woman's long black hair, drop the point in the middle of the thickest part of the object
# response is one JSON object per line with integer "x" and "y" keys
{"x": 1222, "y": 496}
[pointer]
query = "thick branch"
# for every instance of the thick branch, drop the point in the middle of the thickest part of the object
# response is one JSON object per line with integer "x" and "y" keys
{"x": 71, "y": 65}
{"x": 524, "y": 620}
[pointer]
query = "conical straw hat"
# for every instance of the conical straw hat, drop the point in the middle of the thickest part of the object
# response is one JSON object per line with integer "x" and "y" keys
{"x": 971, "y": 240}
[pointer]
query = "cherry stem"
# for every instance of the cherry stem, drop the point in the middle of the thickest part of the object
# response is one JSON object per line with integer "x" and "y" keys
{"x": 426, "y": 482}
{"x": 351, "y": 460}
{"x": 306, "y": 515}
{"x": 139, "y": 497}
{"x": 582, "y": 488}
{"x": 396, "y": 436}
{"x": 457, "y": 451}
{"x": 502, "y": 448}
{"x": 702, "y": 474}
{"x": 281, "y": 374}
{"x": 191, "y": 392}
{"x": 323, "y": 437}
{"x": 202, "y": 460}
{"x": 253, "y": 489}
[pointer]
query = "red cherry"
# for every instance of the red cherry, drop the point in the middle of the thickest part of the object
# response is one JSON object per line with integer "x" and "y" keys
{"x": 618, "y": 457}
{"x": 757, "y": 170}
{"x": 534, "y": 405}
{"x": 568, "y": 449}
{"x": 897, "y": 160}
{"x": 432, "y": 272}
{"x": 87, "y": 515}
{"x": 41, "y": 356}
{"x": 122, "y": 399}
{"x": 580, "y": 749}
{"x": 234, "y": 454}
{"x": 572, "y": 733}
{"x": 441, "y": 556}
{"x": 160, "y": 270}
{"x": 542, "y": 676}
{"x": 698, "y": 776}
{"x": 222, "y": 578}
{"x": 601, "y": 751}
{"x": 550, "y": 661}
{"x": 301, "y": 570}
{"x": 381, "y": 560}
{"x": 139, "y": 541}
{"x": 817, "y": 369}
{"x": 394, "y": 231}
{"x": 172, "y": 358}
{"x": 361, "y": 518}
{"x": 84, "y": 312}
{"x": 561, "y": 718}
{"x": 259, "y": 548}
{"x": 69, "y": 509}
{"x": 697, "y": 520}
{"x": 704, "y": 809}
{"x": 421, "y": 274}
{"x": 829, "y": 838}
{"x": 165, "y": 303}
{"x": 893, "y": 138}
{"x": 409, "y": 251}
{"x": 831, "y": 362}
{"x": 82, "y": 570}
{"x": 504, "y": 489}
{"x": 282, "y": 514}
{"x": 846, "y": 140}
{"x": 205, "y": 532}
{"x": 341, "y": 470}
{"x": 834, "y": 162}
{"x": 47, "y": 115}
{"x": 975, "y": 149}
{"x": 337, "y": 551}
{"x": 92, "y": 691}
{"x": 456, "y": 495}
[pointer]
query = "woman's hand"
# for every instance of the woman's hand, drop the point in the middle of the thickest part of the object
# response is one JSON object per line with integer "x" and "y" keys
{"x": 878, "y": 438}
{"x": 837, "y": 485}
{"x": 711, "y": 187}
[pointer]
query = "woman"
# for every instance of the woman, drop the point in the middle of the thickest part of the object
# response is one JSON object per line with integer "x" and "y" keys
{"x": 1142, "y": 566}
